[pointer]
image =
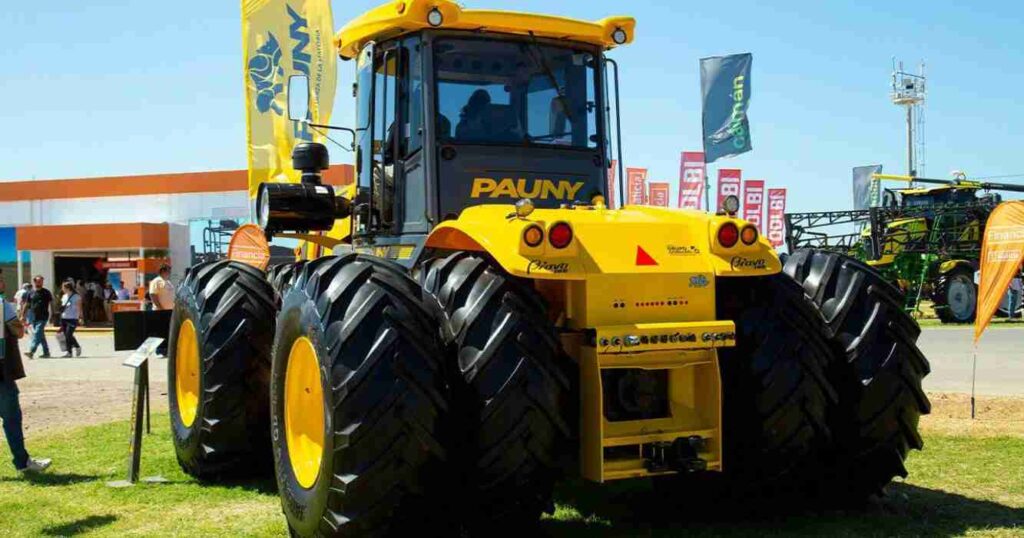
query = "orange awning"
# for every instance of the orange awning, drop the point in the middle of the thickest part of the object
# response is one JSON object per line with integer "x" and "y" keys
{"x": 93, "y": 236}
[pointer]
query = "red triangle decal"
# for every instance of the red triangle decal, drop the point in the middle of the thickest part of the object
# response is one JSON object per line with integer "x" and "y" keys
{"x": 643, "y": 258}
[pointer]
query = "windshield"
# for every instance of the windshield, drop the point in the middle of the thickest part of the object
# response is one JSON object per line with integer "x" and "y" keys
{"x": 521, "y": 93}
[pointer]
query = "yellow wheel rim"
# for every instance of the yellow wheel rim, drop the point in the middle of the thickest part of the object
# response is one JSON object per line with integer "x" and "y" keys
{"x": 186, "y": 373}
{"x": 304, "y": 412}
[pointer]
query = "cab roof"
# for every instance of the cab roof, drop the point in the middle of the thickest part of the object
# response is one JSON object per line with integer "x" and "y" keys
{"x": 405, "y": 16}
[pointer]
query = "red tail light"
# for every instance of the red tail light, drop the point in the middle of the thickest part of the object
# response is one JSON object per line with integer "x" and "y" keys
{"x": 728, "y": 235}
{"x": 560, "y": 235}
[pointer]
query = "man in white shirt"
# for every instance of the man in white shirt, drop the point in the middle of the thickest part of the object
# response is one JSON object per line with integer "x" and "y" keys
{"x": 161, "y": 290}
{"x": 161, "y": 293}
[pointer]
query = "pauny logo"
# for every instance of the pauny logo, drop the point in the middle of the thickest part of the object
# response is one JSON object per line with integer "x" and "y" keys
{"x": 698, "y": 281}
{"x": 485, "y": 187}
{"x": 739, "y": 262}
{"x": 266, "y": 73}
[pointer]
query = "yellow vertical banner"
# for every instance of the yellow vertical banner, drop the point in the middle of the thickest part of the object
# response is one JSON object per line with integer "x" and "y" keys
{"x": 1001, "y": 254}
{"x": 281, "y": 39}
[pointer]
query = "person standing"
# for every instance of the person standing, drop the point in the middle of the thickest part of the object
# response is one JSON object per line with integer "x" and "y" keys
{"x": 22, "y": 295}
{"x": 161, "y": 290}
{"x": 12, "y": 370}
{"x": 122, "y": 293}
{"x": 36, "y": 309}
{"x": 161, "y": 293}
{"x": 70, "y": 314}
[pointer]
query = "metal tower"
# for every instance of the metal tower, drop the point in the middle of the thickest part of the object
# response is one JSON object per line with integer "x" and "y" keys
{"x": 908, "y": 91}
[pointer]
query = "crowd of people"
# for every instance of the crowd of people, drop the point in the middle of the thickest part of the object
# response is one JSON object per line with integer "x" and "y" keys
{"x": 95, "y": 298}
{"x": 34, "y": 306}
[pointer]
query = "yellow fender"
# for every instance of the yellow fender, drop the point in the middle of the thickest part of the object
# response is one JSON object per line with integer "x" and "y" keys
{"x": 632, "y": 240}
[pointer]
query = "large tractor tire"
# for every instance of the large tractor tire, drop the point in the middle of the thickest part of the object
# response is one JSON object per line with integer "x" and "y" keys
{"x": 514, "y": 388}
{"x": 359, "y": 403}
{"x": 775, "y": 393}
{"x": 955, "y": 296}
{"x": 281, "y": 277}
{"x": 879, "y": 380}
{"x": 219, "y": 370}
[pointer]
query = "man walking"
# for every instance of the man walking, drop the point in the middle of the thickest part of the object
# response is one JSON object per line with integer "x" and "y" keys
{"x": 12, "y": 370}
{"x": 36, "y": 310}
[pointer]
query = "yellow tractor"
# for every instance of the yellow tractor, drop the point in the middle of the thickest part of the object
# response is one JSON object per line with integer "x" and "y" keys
{"x": 471, "y": 322}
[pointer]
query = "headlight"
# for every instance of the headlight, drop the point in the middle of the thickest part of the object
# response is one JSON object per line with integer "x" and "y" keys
{"x": 299, "y": 207}
{"x": 619, "y": 36}
{"x": 434, "y": 17}
{"x": 731, "y": 204}
{"x": 262, "y": 208}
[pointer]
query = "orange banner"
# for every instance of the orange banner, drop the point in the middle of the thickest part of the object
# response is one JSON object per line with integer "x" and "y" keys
{"x": 657, "y": 194}
{"x": 1001, "y": 256}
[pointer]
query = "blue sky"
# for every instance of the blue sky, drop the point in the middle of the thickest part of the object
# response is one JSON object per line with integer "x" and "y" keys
{"x": 123, "y": 87}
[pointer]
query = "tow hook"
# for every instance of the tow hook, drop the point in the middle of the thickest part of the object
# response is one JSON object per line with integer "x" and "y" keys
{"x": 679, "y": 455}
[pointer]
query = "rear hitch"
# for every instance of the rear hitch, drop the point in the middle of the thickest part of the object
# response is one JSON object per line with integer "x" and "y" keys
{"x": 679, "y": 455}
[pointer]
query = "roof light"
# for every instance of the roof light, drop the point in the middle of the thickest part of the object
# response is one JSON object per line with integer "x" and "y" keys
{"x": 619, "y": 36}
{"x": 533, "y": 235}
{"x": 748, "y": 234}
{"x": 731, "y": 204}
{"x": 728, "y": 234}
{"x": 560, "y": 235}
{"x": 435, "y": 17}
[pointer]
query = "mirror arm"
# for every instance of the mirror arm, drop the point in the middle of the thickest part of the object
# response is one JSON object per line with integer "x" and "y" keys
{"x": 334, "y": 128}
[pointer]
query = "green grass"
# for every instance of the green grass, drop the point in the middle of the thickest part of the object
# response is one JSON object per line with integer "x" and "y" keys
{"x": 958, "y": 486}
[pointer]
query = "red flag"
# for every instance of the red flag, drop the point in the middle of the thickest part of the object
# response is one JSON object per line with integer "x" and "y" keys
{"x": 753, "y": 201}
{"x": 658, "y": 194}
{"x": 728, "y": 184}
{"x": 636, "y": 186}
{"x": 777, "y": 216}
{"x": 612, "y": 187}
{"x": 691, "y": 179}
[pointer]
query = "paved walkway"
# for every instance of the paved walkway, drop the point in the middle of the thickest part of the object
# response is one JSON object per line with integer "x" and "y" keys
{"x": 1000, "y": 360}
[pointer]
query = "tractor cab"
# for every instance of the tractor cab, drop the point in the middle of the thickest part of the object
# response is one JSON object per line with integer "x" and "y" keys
{"x": 458, "y": 108}
{"x": 937, "y": 196}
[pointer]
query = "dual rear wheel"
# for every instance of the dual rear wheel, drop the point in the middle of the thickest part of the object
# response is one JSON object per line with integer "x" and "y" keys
{"x": 447, "y": 405}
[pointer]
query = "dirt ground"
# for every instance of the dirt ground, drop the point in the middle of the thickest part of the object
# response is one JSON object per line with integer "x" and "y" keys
{"x": 995, "y": 416}
{"x": 62, "y": 393}
{"x": 95, "y": 389}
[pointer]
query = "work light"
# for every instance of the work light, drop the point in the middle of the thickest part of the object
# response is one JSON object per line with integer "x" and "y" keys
{"x": 434, "y": 17}
{"x": 731, "y": 204}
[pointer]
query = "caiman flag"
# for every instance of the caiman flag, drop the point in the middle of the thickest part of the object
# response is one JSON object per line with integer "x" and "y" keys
{"x": 282, "y": 38}
{"x": 1001, "y": 255}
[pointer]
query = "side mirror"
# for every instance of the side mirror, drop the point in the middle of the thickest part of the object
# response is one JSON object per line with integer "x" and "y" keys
{"x": 298, "y": 98}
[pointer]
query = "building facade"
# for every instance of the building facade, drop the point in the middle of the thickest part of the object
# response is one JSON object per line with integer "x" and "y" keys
{"x": 120, "y": 229}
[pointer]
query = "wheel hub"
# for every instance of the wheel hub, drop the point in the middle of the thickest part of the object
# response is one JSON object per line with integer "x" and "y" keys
{"x": 304, "y": 412}
{"x": 961, "y": 298}
{"x": 186, "y": 373}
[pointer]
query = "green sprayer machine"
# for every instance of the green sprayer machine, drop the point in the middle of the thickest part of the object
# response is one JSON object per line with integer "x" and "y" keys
{"x": 926, "y": 239}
